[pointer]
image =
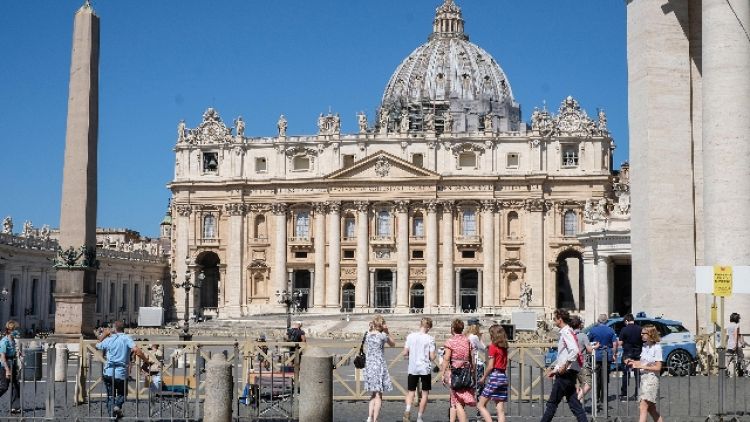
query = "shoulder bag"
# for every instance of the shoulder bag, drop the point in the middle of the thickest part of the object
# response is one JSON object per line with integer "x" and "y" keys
{"x": 360, "y": 360}
{"x": 461, "y": 378}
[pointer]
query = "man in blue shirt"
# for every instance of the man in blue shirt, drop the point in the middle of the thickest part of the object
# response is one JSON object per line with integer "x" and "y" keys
{"x": 9, "y": 368}
{"x": 604, "y": 340}
{"x": 117, "y": 347}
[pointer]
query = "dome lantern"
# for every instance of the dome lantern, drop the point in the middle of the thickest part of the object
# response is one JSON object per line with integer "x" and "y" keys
{"x": 448, "y": 21}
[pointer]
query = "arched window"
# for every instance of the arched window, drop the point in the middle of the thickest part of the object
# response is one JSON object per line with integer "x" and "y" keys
{"x": 209, "y": 226}
{"x": 384, "y": 223}
{"x": 259, "y": 285}
{"x": 350, "y": 226}
{"x": 469, "y": 223}
{"x": 260, "y": 227}
{"x": 302, "y": 224}
{"x": 513, "y": 228}
{"x": 570, "y": 223}
{"x": 417, "y": 229}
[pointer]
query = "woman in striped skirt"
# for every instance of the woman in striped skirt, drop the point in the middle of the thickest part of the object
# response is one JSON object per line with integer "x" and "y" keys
{"x": 494, "y": 379}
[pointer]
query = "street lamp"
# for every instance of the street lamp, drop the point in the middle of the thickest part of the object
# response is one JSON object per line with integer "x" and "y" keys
{"x": 187, "y": 285}
{"x": 289, "y": 298}
{"x": 4, "y": 294}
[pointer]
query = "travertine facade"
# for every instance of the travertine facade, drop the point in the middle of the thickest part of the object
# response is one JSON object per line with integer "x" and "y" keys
{"x": 449, "y": 202}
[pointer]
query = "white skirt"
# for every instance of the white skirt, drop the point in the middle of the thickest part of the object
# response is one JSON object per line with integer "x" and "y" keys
{"x": 649, "y": 387}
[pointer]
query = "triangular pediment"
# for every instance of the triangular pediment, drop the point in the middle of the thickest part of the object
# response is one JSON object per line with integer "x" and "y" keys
{"x": 382, "y": 165}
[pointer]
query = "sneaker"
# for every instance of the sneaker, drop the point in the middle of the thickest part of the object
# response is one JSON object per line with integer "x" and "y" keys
{"x": 420, "y": 420}
{"x": 407, "y": 416}
{"x": 117, "y": 412}
{"x": 15, "y": 411}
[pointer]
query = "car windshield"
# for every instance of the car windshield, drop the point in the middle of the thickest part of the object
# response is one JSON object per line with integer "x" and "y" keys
{"x": 676, "y": 328}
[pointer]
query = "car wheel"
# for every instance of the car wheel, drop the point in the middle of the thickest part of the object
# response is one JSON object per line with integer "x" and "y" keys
{"x": 680, "y": 363}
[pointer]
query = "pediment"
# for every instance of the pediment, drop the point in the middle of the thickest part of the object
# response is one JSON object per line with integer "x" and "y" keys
{"x": 382, "y": 165}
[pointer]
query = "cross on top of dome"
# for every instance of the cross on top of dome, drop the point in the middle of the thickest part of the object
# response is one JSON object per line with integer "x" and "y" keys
{"x": 448, "y": 21}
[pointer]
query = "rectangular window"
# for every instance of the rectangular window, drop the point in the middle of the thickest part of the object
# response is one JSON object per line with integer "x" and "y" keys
{"x": 469, "y": 223}
{"x": 301, "y": 163}
{"x": 350, "y": 226}
{"x": 384, "y": 224}
{"x": 512, "y": 160}
{"x": 124, "y": 298}
{"x": 14, "y": 289}
{"x": 210, "y": 162}
{"x": 570, "y": 223}
{"x": 300, "y": 255}
{"x": 570, "y": 156}
{"x": 34, "y": 291}
{"x": 112, "y": 294}
{"x": 417, "y": 160}
{"x": 261, "y": 166}
{"x": 302, "y": 225}
{"x": 136, "y": 297}
{"x": 147, "y": 296}
{"x": 348, "y": 253}
{"x": 98, "y": 297}
{"x": 417, "y": 254}
{"x": 348, "y": 160}
{"x": 468, "y": 254}
{"x": 467, "y": 160}
{"x": 51, "y": 307}
{"x": 418, "y": 229}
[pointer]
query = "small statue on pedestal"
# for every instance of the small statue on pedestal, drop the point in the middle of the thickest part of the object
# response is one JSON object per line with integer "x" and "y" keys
{"x": 157, "y": 295}
{"x": 525, "y": 296}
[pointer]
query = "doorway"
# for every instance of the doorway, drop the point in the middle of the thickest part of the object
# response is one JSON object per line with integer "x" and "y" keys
{"x": 468, "y": 290}
{"x": 383, "y": 288}
{"x": 301, "y": 283}
{"x": 622, "y": 291}
{"x": 416, "y": 298}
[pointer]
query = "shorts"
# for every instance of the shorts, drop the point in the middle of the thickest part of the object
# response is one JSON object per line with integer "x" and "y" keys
{"x": 413, "y": 380}
{"x": 584, "y": 376}
{"x": 496, "y": 386}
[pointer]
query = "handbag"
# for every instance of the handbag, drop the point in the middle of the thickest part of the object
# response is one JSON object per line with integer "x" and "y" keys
{"x": 461, "y": 378}
{"x": 360, "y": 360}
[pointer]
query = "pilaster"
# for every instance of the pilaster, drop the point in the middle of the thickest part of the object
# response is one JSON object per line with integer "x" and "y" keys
{"x": 233, "y": 283}
{"x": 279, "y": 270}
{"x": 431, "y": 287}
{"x": 447, "y": 298}
{"x": 363, "y": 254}
{"x": 319, "y": 293}
{"x": 402, "y": 248}
{"x": 488, "y": 253}
{"x": 333, "y": 284}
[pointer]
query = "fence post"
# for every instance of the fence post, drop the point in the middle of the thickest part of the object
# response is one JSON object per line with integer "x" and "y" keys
{"x": 61, "y": 362}
{"x": 594, "y": 387}
{"x": 316, "y": 386}
{"x": 51, "y": 375}
{"x": 722, "y": 379}
{"x": 218, "y": 389}
{"x": 605, "y": 381}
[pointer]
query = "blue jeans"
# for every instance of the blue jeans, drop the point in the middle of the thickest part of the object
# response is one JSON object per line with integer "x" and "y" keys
{"x": 115, "y": 393}
{"x": 564, "y": 386}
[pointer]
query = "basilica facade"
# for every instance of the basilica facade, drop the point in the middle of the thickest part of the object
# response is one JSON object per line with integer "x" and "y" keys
{"x": 450, "y": 200}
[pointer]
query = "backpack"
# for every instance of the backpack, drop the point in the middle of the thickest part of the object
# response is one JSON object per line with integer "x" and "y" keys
{"x": 295, "y": 334}
{"x": 580, "y": 352}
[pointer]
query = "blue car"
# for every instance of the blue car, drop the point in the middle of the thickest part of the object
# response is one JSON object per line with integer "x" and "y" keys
{"x": 677, "y": 344}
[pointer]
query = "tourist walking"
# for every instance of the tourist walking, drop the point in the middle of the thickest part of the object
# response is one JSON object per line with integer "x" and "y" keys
{"x": 494, "y": 379}
{"x": 474, "y": 334}
{"x": 631, "y": 344}
{"x": 9, "y": 369}
{"x": 458, "y": 372}
{"x": 605, "y": 340}
{"x": 585, "y": 348}
{"x": 650, "y": 367}
{"x": 735, "y": 343}
{"x": 420, "y": 349}
{"x": 117, "y": 347}
{"x": 565, "y": 370}
{"x": 376, "y": 377}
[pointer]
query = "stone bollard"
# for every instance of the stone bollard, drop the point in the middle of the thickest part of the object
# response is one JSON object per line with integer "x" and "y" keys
{"x": 61, "y": 362}
{"x": 316, "y": 386}
{"x": 218, "y": 389}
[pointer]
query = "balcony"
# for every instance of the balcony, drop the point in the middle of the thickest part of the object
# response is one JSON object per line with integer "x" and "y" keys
{"x": 209, "y": 241}
{"x": 468, "y": 241}
{"x": 300, "y": 242}
{"x": 416, "y": 239}
{"x": 259, "y": 240}
{"x": 381, "y": 240}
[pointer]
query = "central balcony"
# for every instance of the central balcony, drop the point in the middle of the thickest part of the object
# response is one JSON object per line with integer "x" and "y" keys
{"x": 468, "y": 241}
{"x": 300, "y": 242}
{"x": 381, "y": 240}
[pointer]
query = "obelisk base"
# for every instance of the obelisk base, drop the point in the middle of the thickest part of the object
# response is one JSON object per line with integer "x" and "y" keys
{"x": 74, "y": 316}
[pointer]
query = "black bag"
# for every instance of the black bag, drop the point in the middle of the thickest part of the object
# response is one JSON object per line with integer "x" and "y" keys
{"x": 462, "y": 378}
{"x": 360, "y": 360}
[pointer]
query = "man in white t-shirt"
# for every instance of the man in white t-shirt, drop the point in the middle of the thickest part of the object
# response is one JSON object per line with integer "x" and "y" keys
{"x": 420, "y": 348}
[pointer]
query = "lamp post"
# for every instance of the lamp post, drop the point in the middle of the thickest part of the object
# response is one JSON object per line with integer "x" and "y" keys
{"x": 187, "y": 285}
{"x": 289, "y": 298}
{"x": 4, "y": 294}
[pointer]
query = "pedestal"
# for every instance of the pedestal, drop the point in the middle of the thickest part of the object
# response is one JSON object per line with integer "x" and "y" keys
{"x": 150, "y": 316}
{"x": 524, "y": 320}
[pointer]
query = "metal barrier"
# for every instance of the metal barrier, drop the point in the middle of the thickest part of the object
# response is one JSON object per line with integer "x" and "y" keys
{"x": 265, "y": 377}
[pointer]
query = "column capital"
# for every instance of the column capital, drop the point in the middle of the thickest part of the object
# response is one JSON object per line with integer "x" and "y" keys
{"x": 320, "y": 207}
{"x": 535, "y": 205}
{"x": 488, "y": 205}
{"x": 279, "y": 208}
{"x": 402, "y": 206}
{"x": 431, "y": 205}
{"x": 334, "y": 207}
{"x": 236, "y": 209}
{"x": 361, "y": 206}
{"x": 183, "y": 210}
{"x": 448, "y": 206}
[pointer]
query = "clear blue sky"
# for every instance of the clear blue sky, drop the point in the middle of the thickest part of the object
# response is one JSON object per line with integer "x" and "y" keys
{"x": 165, "y": 60}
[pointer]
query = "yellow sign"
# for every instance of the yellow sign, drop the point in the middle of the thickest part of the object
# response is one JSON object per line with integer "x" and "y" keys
{"x": 722, "y": 281}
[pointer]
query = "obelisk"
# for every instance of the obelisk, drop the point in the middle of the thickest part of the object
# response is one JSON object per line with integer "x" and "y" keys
{"x": 75, "y": 289}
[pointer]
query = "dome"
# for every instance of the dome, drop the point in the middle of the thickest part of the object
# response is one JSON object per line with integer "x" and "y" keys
{"x": 451, "y": 73}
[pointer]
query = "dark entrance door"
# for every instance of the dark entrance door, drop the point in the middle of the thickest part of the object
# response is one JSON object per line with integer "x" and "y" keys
{"x": 383, "y": 287}
{"x": 301, "y": 280}
{"x": 623, "y": 290}
{"x": 417, "y": 298}
{"x": 468, "y": 290}
{"x": 208, "y": 293}
{"x": 347, "y": 297}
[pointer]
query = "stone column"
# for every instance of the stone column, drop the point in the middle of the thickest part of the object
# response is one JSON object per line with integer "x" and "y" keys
{"x": 402, "y": 248}
{"x": 319, "y": 286}
{"x": 394, "y": 285}
{"x": 536, "y": 266}
{"x": 480, "y": 288}
{"x": 431, "y": 285}
{"x": 316, "y": 385}
{"x": 363, "y": 255}
{"x": 218, "y": 388}
{"x": 280, "y": 249}
{"x": 233, "y": 282}
{"x": 333, "y": 286}
{"x": 76, "y": 269}
{"x": 488, "y": 253}
{"x": 457, "y": 289}
{"x": 589, "y": 280}
{"x": 726, "y": 138}
{"x": 603, "y": 292}
{"x": 446, "y": 287}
